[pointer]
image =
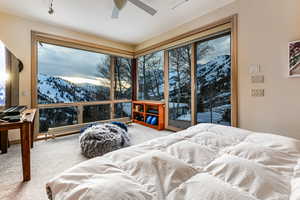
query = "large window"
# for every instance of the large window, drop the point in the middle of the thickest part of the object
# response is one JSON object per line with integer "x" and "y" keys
{"x": 75, "y": 86}
{"x": 179, "y": 101}
{"x": 214, "y": 80}
{"x": 3, "y": 74}
{"x": 151, "y": 76}
{"x": 67, "y": 75}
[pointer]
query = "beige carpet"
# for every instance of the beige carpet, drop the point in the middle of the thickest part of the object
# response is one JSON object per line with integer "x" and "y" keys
{"x": 49, "y": 158}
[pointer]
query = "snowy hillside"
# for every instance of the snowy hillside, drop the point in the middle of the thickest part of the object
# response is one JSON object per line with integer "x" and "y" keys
{"x": 214, "y": 90}
{"x": 57, "y": 90}
{"x": 213, "y": 71}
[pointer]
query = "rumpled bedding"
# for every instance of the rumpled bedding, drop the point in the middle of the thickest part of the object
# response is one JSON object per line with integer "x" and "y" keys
{"x": 204, "y": 162}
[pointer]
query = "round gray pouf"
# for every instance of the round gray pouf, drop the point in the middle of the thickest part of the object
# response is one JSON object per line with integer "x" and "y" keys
{"x": 101, "y": 139}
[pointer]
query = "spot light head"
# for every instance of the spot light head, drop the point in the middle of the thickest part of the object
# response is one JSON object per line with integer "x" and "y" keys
{"x": 50, "y": 11}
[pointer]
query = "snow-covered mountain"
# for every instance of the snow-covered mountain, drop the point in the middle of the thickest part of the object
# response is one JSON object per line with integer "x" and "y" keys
{"x": 214, "y": 71}
{"x": 213, "y": 82}
{"x": 213, "y": 93}
{"x": 57, "y": 90}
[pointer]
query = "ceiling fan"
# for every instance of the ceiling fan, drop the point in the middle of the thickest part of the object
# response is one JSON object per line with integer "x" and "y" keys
{"x": 120, "y": 4}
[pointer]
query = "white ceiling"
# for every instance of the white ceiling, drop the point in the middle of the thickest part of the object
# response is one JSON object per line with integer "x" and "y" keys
{"x": 94, "y": 16}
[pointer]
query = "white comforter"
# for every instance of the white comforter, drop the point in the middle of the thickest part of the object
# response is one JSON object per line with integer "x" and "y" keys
{"x": 204, "y": 162}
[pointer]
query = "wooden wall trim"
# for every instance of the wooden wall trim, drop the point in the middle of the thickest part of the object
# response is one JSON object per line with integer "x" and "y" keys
{"x": 193, "y": 85}
{"x": 113, "y": 63}
{"x": 234, "y": 71}
{"x": 166, "y": 87}
{"x": 33, "y": 71}
{"x": 65, "y": 41}
{"x": 185, "y": 35}
{"x": 134, "y": 79}
{"x": 60, "y": 105}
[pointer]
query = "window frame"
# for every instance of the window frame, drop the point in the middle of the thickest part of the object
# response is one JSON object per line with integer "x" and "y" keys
{"x": 228, "y": 24}
{"x": 191, "y": 80}
{"x": 75, "y": 44}
{"x": 213, "y": 37}
{"x": 191, "y": 37}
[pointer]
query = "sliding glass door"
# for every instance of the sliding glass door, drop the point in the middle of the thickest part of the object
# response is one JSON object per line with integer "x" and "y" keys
{"x": 213, "y": 77}
{"x": 199, "y": 83}
{"x": 179, "y": 95}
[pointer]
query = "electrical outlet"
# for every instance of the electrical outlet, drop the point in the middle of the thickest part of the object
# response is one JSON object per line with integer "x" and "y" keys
{"x": 258, "y": 79}
{"x": 257, "y": 92}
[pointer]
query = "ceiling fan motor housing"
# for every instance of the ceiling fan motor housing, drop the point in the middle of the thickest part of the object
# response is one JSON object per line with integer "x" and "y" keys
{"x": 120, "y": 3}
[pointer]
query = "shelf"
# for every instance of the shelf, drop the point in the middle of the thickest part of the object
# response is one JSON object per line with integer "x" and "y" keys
{"x": 155, "y": 103}
{"x": 159, "y": 106}
{"x": 142, "y": 113}
{"x": 152, "y": 114}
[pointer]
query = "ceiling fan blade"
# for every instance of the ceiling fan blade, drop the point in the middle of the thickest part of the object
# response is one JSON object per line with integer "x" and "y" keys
{"x": 115, "y": 13}
{"x": 143, "y": 6}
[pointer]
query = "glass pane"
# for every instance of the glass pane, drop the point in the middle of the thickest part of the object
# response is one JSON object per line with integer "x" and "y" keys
{"x": 180, "y": 87}
{"x": 96, "y": 113}
{"x": 122, "y": 110}
{"x": 67, "y": 75}
{"x": 4, "y": 76}
{"x": 151, "y": 76}
{"x": 123, "y": 79}
{"x": 213, "y": 81}
{"x": 56, "y": 117}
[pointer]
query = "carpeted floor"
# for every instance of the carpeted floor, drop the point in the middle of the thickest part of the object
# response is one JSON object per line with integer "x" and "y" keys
{"x": 49, "y": 158}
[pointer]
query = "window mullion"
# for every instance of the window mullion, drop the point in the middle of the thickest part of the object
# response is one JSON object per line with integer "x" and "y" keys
{"x": 80, "y": 114}
{"x": 112, "y": 84}
{"x": 193, "y": 85}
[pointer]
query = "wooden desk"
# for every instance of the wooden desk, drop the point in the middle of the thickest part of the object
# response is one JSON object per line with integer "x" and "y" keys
{"x": 26, "y": 126}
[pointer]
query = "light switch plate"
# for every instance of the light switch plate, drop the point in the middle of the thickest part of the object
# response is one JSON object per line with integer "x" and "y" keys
{"x": 254, "y": 69}
{"x": 257, "y": 92}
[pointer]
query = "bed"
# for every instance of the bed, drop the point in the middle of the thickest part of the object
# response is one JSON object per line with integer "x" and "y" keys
{"x": 204, "y": 162}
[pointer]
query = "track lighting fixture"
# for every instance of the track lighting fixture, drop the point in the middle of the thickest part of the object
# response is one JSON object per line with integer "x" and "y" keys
{"x": 51, "y": 11}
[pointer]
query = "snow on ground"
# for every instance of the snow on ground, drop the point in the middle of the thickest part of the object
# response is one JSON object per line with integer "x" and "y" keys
{"x": 57, "y": 90}
{"x": 202, "y": 117}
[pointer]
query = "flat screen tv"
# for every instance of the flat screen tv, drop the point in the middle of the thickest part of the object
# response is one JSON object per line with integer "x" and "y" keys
{"x": 10, "y": 68}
